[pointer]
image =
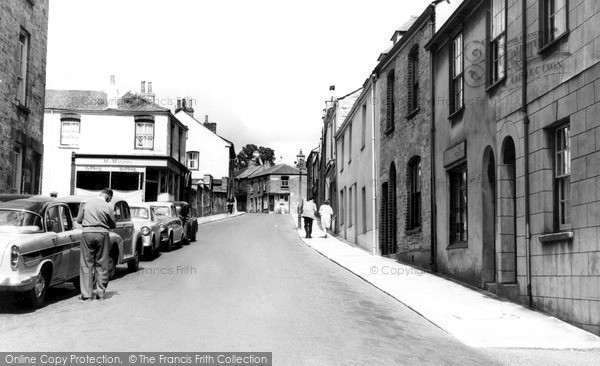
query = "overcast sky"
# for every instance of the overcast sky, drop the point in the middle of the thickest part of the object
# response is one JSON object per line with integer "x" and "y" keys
{"x": 261, "y": 69}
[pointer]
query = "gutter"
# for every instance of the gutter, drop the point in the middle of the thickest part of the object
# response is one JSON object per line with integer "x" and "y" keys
{"x": 374, "y": 166}
{"x": 526, "y": 146}
{"x": 433, "y": 263}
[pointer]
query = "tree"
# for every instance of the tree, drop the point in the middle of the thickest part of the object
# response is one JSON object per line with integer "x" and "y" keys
{"x": 266, "y": 155}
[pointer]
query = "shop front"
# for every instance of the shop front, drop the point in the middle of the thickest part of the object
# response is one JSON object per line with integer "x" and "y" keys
{"x": 135, "y": 178}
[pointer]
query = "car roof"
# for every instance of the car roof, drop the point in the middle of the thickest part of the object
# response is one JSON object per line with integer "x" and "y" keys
{"x": 138, "y": 204}
{"x": 5, "y": 197}
{"x": 78, "y": 198}
{"x": 160, "y": 203}
{"x": 35, "y": 204}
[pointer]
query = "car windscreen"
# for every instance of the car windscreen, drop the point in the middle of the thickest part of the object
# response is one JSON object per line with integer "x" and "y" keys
{"x": 139, "y": 213}
{"x": 161, "y": 211}
{"x": 21, "y": 221}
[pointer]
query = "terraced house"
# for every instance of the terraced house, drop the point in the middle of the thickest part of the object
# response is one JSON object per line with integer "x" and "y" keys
{"x": 517, "y": 151}
{"x": 23, "y": 44}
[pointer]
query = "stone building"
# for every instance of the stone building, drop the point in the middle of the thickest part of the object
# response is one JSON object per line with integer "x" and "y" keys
{"x": 517, "y": 94}
{"x": 403, "y": 86}
{"x": 23, "y": 43}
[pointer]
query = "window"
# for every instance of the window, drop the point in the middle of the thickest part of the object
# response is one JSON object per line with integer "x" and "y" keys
{"x": 554, "y": 20}
{"x": 17, "y": 168}
{"x": 562, "y": 176}
{"x": 364, "y": 209}
{"x": 458, "y": 205}
{"x": 23, "y": 63}
{"x": 457, "y": 84}
{"x": 413, "y": 80}
{"x": 342, "y": 153}
{"x": 390, "y": 100}
{"x": 285, "y": 182}
{"x": 349, "y": 143}
{"x": 497, "y": 41}
{"x": 70, "y": 128}
{"x": 193, "y": 158}
{"x": 363, "y": 137}
{"x": 414, "y": 194}
{"x": 53, "y": 219}
{"x": 342, "y": 207}
{"x": 350, "y": 209}
{"x": 144, "y": 134}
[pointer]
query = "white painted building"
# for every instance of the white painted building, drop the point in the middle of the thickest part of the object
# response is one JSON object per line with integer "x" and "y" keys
{"x": 129, "y": 144}
{"x": 210, "y": 161}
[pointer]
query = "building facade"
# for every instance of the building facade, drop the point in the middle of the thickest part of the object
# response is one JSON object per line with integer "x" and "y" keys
{"x": 357, "y": 173}
{"x": 210, "y": 160}
{"x": 516, "y": 152}
{"x": 23, "y": 40}
{"x": 276, "y": 189}
{"x": 403, "y": 88}
{"x": 95, "y": 139}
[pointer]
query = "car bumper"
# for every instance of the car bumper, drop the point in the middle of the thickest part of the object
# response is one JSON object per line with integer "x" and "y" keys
{"x": 17, "y": 283}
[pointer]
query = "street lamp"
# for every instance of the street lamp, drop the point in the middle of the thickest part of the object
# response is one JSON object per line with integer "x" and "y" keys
{"x": 300, "y": 164}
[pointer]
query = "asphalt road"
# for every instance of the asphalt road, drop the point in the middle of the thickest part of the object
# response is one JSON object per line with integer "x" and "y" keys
{"x": 247, "y": 284}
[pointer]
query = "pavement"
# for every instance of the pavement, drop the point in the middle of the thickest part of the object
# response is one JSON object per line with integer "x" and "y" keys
{"x": 476, "y": 318}
{"x": 211, "y": 218}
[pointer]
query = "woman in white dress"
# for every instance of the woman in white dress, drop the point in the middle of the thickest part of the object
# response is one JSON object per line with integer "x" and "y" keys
{"x": 326, "y": 212}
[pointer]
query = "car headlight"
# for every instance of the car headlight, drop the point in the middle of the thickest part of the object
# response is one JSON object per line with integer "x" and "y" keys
{"x": 145, "y": 231}
{"x": 14, "y": 256}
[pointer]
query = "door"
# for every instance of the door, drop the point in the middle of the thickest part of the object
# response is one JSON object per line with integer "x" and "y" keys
{"x": 62, "y": 243}
{"x": 124, "y": 227}
{"x": 488, "y": 207}
{"x": 73, "y": 239}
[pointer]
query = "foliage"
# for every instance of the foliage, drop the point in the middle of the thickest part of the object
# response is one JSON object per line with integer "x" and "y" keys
{"x": 266, "y": 155}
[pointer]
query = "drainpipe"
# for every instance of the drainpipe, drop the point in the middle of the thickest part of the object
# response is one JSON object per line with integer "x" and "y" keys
{"x": 433, "y": 264}
{"x": 374, "y": 166}
{"x": 526, "y": 146}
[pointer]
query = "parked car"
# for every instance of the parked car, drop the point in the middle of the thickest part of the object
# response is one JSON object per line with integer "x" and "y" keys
{"x": 39, "y": 247}
{"x": 5, "y": 197}
{"x": 190, "y": 224}
{"x": 145, "y": 222}
{"x": 171, "y": 227}
{"x": 127, "y": 250}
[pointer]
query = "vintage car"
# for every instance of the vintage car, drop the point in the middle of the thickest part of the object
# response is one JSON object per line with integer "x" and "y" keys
{"x": 39, "y": 247}
{"x": 171, "y": 227}
{"x": 144, "y": 221}
{"x": 130, "y": 248}
{"x": 190, "y": 224}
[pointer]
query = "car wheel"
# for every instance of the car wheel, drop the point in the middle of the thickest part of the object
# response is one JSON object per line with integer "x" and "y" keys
{"x": 37, "y": 294}
{"x": 112, "y": 265}
{"x": 170, "y": 243}
{"x": 134, "y": 264}
{"x": 181, "y": 240}
{"x": 194, "y": 231}
{"x": 76, "y": 284}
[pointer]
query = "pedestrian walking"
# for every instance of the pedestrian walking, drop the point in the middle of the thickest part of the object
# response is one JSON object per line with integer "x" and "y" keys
{"x": 230, "y": 203}
{"x": 309, "y": 209}
{"x": 326, "y": 212}
{"x": 96, "y": 217}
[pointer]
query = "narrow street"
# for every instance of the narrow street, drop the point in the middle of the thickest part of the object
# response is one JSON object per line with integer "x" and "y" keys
{"x": 247, "y": 284}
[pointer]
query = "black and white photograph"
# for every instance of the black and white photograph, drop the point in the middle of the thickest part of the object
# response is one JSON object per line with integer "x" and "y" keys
{"x": 390, "y": 182}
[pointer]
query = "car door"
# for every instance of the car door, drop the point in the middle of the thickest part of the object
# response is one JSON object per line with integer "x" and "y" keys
{"x": 74, "y": 234}
{"x": 124, "y": 227}
{"x": 178, "y": 225}
{"x": 62, "y": 243}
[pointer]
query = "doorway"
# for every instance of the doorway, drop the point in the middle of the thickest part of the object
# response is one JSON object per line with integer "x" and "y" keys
{"x": 488, "y": 208}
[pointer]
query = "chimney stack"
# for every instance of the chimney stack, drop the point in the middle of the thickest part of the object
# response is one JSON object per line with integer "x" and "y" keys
{"x": 112, "y": 95}
{"x": 178, "y": 105}
{"x": 210, "y": 125}
{"x": 149, "y": 87}
{"x": 143, "y": 89}
{"x": 147, "y": 93}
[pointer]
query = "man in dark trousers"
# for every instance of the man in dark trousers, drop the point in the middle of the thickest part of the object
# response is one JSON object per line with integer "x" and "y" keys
{"x": 309, "y": 209}
{"x": 96, "y": 217}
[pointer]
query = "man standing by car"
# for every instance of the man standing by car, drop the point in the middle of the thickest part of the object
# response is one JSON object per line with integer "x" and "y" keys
{"x": 96, "y": 217}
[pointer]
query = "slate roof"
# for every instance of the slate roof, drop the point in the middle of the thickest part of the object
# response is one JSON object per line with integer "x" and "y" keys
{"x": 93, "y": 100}
{"x": 279, "y": 169}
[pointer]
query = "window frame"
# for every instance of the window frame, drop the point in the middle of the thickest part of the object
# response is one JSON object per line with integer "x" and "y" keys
{"x": 390, "y": 104}
{"x": 24, "y": 52}
{"x": 70, "y": 118}
{"x": 285, "y": 179}
{"x": 494, "y": 57}
{"x": 414, "y": 190}
{"x": 363, "y": 137}
{"x": 454, "y": 109}
{"x": 455, "y": 193}
{"x": 190, "y": 160}
{"x": 413, "y": 78}
{"x": 544, "y": 29}
{"x": 147, "y": 121}
{"x": 560, "y": 196}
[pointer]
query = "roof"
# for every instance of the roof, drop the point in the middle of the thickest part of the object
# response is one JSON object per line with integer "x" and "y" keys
{"x": 248, "y": 171}
{"x": 460, "y": 15}
{"x": 34, "y": 204}
{"x": 279, "y": 169}
{"x": 185, "y": 115}
{"x": 406, "y": 26}
{"x": 93, "y": 100}
{"x": 79, "y": 198}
